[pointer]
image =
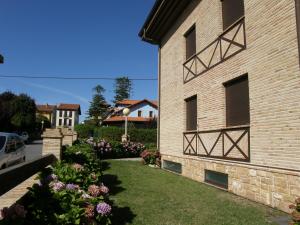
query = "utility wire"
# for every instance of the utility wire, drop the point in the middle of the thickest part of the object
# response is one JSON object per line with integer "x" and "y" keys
{"x": 73, "y": 78}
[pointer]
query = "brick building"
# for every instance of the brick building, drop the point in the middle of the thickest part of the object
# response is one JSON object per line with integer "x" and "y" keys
{"x": 230, "y": 71}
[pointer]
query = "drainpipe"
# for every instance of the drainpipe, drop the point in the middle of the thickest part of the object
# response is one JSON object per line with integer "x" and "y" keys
{"x": 297, "y": 7}
{"x": 159, "y": 96}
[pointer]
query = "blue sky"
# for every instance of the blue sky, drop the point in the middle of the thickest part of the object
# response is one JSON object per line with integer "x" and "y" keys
{"x": 75, "y": 38}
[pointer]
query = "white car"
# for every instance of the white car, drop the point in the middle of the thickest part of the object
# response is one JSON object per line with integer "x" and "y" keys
{"x": 12, "y": 149}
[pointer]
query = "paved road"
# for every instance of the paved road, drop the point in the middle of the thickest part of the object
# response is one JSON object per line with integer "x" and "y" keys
{"x": 34, "y": 150}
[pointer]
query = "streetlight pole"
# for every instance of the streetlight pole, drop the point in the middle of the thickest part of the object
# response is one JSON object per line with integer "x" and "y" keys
{"x": 42, "y": 125}
{"x": 126, "y": 112}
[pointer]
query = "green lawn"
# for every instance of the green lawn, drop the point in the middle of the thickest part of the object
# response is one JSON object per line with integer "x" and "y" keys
{"x": 144, "y": 195}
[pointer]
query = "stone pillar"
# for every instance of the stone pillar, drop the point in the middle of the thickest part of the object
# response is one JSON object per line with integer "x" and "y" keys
{"x": 52, "y": 142}
{"x": 67, "y": 136}
{"x": 75, "y": 135}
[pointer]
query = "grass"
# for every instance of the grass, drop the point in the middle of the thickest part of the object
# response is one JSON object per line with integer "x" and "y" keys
{"x": 149, "y": 196}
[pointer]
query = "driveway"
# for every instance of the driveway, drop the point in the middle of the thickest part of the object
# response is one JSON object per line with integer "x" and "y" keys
{"x": 34, "y": 150}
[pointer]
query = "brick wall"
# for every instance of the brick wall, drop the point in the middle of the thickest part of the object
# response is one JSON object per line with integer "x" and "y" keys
{"x": 271, "y": 61}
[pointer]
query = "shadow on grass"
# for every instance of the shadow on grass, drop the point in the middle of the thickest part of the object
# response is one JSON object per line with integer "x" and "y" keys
{"x": 105, "y": 165}
{"x": 113, "y": 183}
{"x": 122, "y": 216}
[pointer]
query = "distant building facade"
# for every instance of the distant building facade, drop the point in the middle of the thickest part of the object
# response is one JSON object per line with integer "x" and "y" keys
{"x": 142, "y": 113}
{"x": 47, "y": 111}
{"x": 62, "y": 115}
{"x": 67, "y": 115}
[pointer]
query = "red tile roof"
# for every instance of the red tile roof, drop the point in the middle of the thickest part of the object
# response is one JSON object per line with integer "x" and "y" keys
{"x": 131, "y": 103}
{"x": 130, "y": 119}
{"x": 127, "y": 102}
{"x": 45, "y": 108}
{"x": 69, "y": 106}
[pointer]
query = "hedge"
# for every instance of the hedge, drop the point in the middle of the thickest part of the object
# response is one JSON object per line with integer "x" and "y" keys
{"x": 115, "y": 133}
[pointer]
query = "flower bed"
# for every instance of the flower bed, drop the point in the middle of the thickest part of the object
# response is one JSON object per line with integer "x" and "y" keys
{"x": 112, "y": 150}
{"x": 70, "y": 192}
{"x": 295, "y": 213}
{"x": 151, "y": 158}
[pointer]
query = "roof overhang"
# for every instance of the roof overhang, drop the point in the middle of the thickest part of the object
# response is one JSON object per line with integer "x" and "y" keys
{"x": 160, "y": 19}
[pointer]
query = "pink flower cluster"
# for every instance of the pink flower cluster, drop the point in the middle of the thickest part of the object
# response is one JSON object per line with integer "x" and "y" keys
{"x": 77, "y": 167}
{"x": 95, "y": 190}
{"x": 103, "y": 208}
{"x": 57, "y": 185}
{"x": 13, "y": 212}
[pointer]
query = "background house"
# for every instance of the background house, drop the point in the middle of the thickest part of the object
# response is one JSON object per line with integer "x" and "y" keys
{"x": 67, "y": 115}
{"x": 47, "y": 111}
{"x": 229, "y": 69}
{"x": 143, "y": 113}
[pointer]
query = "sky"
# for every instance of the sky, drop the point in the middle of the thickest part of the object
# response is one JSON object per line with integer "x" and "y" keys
{"x": 75, "y": 38}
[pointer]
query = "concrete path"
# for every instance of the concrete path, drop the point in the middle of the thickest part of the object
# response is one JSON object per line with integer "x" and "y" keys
{"x": 34, "y": 150}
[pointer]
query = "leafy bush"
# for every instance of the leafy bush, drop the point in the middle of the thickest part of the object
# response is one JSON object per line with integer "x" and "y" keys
{"x": 67, "y": 193}
{"x": 151, "y": 157}
{"x": 115, "y": 133}
{"x": 295, "y": 213}
{"x": 117, "y": 149}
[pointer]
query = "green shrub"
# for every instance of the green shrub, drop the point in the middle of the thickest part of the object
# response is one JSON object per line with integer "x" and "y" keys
{"x": 136, "y": 134}
{"x": 84, "y": 130}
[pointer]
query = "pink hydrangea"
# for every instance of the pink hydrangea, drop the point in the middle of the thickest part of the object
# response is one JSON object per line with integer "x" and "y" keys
{"x": 104, "y": 189}
{"x": 57, "y": 185}
{"x": 77, "y": 167}
{"x": 94, "y": 190}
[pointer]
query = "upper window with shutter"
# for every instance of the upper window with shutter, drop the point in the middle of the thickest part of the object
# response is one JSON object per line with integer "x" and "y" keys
{"x": 232, "y": 10}
{"x": 191, "y": 113}
{"x": 190, "y": 42}
{"x": 237, "y": 102}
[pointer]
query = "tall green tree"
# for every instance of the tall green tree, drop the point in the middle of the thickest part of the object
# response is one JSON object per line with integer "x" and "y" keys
{"x": 99, "y": 108}
{"x": 24, "y": 112}
{"x": 123, "y": 89}
{"x": 17, "y": 113}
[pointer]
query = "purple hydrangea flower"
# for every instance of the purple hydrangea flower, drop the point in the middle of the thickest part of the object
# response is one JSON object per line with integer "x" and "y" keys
{"x": 72, "y": 187}
{"x": 57, "y": 186}
{"x": 103, "y": 208}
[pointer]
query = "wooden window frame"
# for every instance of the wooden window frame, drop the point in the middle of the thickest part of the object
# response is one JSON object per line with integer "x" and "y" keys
{"x": 188, "y": 124}
{"x": 187, "y": 46}
{"x": 229, "y": 121}
{"x": 150, "y": 114}
{"x": 226, "y": 19}
{"x": 139, "y": 113}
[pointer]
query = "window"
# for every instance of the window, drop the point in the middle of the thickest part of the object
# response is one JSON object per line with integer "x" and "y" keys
{"x": 59, "y": 122}
{"x": 216, "y": 178}
{"x": 65, "y": 122}
{"x": 139, "y": 113}
{"x": 70, "y": 113}
{"x": 151, "y": 114}
{"x": 70, "y": 122}
{"x": 191, "y": 113}
{"x": 190, "y": 42}
{"x": 60, "y": 113}
{"x": 237, "y": 102}
{"x": 172, "y": 166}
{"x": 232, "y": 10}
{"x": 2, "y": 141}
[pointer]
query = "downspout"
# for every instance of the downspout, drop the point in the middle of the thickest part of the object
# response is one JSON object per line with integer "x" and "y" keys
{"x": 297, "y": 7}
{"x": 159, "y": 96}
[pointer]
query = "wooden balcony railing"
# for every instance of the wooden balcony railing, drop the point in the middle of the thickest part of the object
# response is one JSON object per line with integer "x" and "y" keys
{"x": 229, "y": 43}
{"x": 228, "y": 143}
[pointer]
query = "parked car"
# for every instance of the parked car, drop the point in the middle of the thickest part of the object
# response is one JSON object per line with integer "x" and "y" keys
{"x": 24, "y": 135}
{"x": 12, "y": 149}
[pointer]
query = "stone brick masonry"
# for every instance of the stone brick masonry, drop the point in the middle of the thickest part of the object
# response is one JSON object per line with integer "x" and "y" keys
{"x": 271, "y": 61}
{"x": 273, "y": 187}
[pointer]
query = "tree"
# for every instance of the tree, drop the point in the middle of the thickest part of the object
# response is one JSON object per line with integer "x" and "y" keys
{"x": 17, "y": 113}
{"x": 99, "y": 107}
{"x": 123, "y": 88}
{"x": 24, "y": 116}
